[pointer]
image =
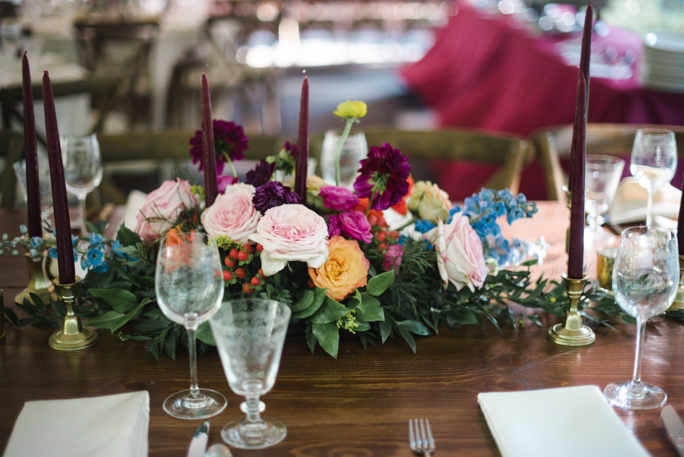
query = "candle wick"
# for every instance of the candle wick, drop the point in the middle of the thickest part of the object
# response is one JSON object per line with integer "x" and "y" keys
{"x": 304, "y": 72}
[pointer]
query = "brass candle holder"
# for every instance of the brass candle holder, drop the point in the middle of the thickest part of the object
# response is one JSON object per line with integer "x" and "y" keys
{"x": 678, "y": 302}
{"x": 38, "y": 284}
{"x": 72, "y": 336}
{"x": 571, "y": 332}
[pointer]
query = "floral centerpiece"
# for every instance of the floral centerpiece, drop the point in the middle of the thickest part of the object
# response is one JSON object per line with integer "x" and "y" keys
{"x": 334, "y": 260}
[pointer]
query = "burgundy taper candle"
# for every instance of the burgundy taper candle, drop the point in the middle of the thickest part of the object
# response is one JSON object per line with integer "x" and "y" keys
{"x": 301, "y": 167}
{"x": 576, "y": 241}
{"x": 210, "y": 180}
{"x": 585, "y": 60}
{"x": 31, "y": 153}
{"x": 680, "y": 226}
{"x": 65, "y": 249}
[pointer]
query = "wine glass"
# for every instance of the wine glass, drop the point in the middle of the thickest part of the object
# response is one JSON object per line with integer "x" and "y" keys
{"x": 602, "y": 176}
{"x": 82, "y": 169}
{"x": 645, "y": 282}
{"x": 44, "y": 186}
{"x": 654, "y": 161}
{"x": 189, "y": 287}
{"x": 249, "y": 334}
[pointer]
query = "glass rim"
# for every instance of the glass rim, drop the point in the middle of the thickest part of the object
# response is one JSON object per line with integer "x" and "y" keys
{"x": 608, "y": 159}
{"x": 92, "y": 136}
{"x": 208, "y": 237}
{"x": 645, "y": 229}
{"x": 654, "y": 131}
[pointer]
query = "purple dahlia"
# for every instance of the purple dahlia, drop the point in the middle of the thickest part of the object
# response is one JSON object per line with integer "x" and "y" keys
{"x": 273, "y": 194}
{"x": 383, "y": 177}
{"x": 230, "y": 141}
{"x": 261, "y": 174}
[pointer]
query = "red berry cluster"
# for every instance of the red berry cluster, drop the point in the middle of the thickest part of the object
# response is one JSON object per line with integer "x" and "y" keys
{"x": 237, "y": 262}
{"x": 254, "y": 284}
{"x": 382, "y": 238}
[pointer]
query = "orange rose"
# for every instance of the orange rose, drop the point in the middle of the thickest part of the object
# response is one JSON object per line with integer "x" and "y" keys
{"x": 345, "y": 270}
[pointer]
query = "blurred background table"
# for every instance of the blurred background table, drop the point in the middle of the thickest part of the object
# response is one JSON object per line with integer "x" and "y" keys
{"x": 358, "y": 405}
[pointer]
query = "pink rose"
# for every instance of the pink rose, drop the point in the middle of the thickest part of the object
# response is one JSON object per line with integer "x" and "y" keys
{"x": 232, "y": 214}
{"x": 459, "y": 253}
{"x": 291, "y": 232}
{"x": 162, "y": 208}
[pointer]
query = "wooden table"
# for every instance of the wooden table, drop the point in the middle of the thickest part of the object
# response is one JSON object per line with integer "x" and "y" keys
{"x": 358, "y": 405}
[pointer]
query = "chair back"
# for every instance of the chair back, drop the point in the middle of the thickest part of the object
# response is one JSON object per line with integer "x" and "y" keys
{"x": 11, "y": 149}
{"x": 510, "y": 152}
{"x": 553, "y": 143}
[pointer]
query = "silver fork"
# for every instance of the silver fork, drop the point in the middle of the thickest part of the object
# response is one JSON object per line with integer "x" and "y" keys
{"x": 420, "y": 437}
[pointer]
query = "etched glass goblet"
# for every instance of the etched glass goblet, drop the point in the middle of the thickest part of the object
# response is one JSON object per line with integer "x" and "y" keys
{"x": 602, "y": 176}
{"x": 189, "y": 287}
{"x": 249, "y": 334}
{"x": 645, "y": 282}
{"x": 654, "y": 161}
{"x": 82, "y": 169}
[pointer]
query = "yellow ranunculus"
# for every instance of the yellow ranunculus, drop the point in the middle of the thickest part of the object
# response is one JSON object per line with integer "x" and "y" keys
{"x": 345, "y": 270}
{"x": 355, "y": 109}
{"x": 429, "y": 201}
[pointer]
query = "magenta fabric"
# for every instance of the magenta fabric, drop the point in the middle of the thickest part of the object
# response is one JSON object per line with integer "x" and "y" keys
{"x": 487, "y": 72}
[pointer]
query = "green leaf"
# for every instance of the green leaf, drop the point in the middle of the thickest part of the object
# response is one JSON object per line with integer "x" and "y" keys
{"x": 92, "y": 228}
{"x": 371, "y": 311}
{"x": 331, "y": 311}
{"x": 59, "y": 308}
{"x": 38, "y": 301}
{"x": 306, "y": 301}
{"x": 310, "y": 338}
{"x": 146, "y": 281}
{"x": 552, "y": 308}
{"x": 328, "y": 336}
{"x": 530, "y": 263}
{"x": 319, "y": 298}
{"x": 150, "y": 325}
{"x": 154, "y": 349}
{"x": 363, "y": 326}
{"x": 385, "y": 329}
{"x": 205, "y": 335}
{"x": 408, "y": 337}
{"x": 170, "y": 344}
{"x": 105, "y": 321}
{"x": 415, "y": 327}
{"x": 120, "y": 300}
{"x": 378, "y": 284}
{"x": 465, "y": 317}
{"x": 127, "y": 237}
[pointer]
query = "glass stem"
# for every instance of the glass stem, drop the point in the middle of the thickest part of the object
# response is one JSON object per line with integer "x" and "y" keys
{"x": 641, "y": 331}
{"x": 82, "y": 210}
{"x": 343, "y": 138}
{"x": 649, "y": 208}
{"x": 253, "y": 415}
{"x": 194, "y": 388}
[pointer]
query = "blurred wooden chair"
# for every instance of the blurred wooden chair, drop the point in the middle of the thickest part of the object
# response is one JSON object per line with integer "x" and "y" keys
{"x": 553, "y": 143}
{"x": 132, "y": 152}
{"x": 510, "y": 152}
{"x": 11, "y": 150}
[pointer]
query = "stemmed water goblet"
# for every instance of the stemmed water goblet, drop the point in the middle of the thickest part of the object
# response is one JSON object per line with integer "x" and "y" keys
{"x": 249, "y": 334}
{"x": 654, "y": 161}
{"x": 602, "y": 176}
{"x": 82, "y": 169}
{"x": 645, "y": 282}
{"x": 189, "y": 287}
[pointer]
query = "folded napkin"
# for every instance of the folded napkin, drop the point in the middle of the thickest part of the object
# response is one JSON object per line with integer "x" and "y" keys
{"x": 134, "y": 204}
{"x": 110, "y": 426}
{"x": 564, "y": 422}
{"x": 629, "y": 204}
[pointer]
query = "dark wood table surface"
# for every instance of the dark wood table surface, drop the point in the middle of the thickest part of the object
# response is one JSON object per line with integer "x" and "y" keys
{"x": 359, "y": 404}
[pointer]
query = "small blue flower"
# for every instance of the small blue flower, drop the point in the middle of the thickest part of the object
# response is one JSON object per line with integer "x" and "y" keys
{"x": 424, "y": 226}
{"x": 506, "y": 195}
{"x": 499, "y": 209}
{"x": 95, "y": 239}
{"x": 23, "y": 229}
{"x": 95, "y": 257}
{"x": 401, "y": 241}
{"x": 102, "y": 268}
{"x": 115, "y": 248}
{"x": 33, "y": 252}
{"x": 84, "y": 262}
{"x": 472, "y": 204}
{"x": 53, "y": 252}
{"x": 74, "y": 240}
{"x": 75, "y": 256}
{"x": 488, "y": 195}
{"x": 521, "y": 199}
{"x": 514, "y": 214}
{"x": 36, "y": 242}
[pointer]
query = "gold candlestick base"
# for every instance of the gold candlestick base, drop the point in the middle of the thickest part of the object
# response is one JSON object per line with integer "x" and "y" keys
{"x": 678, "y": 302}
{"x": 572, "y": 332}
{"x": 38, "y": 282}
{"x": 72, "y": 336}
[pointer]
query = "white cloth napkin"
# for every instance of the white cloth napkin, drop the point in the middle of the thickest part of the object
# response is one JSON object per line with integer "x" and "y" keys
{"x": 109, "y": 426}
{"x": 134, "y": 204}
{"x": 563, "y": 422}
{"x": 629, "y": 204}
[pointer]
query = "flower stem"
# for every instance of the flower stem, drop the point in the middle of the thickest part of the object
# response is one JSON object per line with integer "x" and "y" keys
{"x": 343, "y": 138}
{"x": 413, "y": 219}
{"x": 370, "y": 202}
{"x": 230, "y": 164}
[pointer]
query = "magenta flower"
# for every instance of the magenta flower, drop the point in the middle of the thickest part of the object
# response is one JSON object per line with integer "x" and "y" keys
{"x": 355, "y": 225}
{"x": 273, "y": 194}
{"x": 383, "y": 177}
{"x": 334, "y": 228}
{"x": 230, "y": 141}
{"x": 393, "y": 258}
{"x": 224, "y": 181}
{"x": 261, "y": 174}
{"x": 338, "y": 198}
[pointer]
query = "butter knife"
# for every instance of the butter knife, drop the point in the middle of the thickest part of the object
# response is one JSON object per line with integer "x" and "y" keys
{"x": 198, "y": 445}
{"x": 675, "y": 428}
